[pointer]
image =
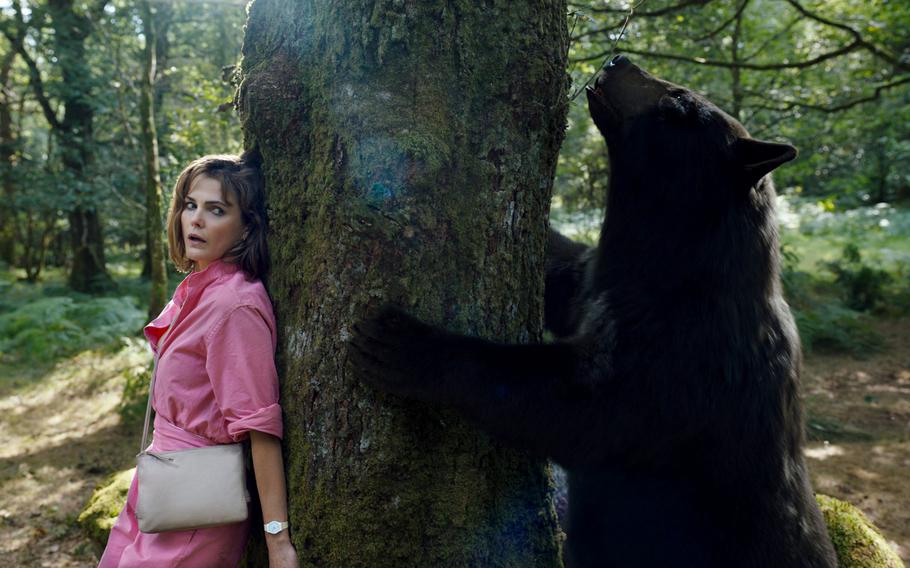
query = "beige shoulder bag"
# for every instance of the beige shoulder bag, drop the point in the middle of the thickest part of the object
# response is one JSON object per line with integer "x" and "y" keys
{"x": 189, "y": 489}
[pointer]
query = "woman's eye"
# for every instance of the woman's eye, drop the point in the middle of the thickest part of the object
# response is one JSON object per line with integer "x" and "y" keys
{"x": 218, "y": 211}
{"x": 190, "y": 205}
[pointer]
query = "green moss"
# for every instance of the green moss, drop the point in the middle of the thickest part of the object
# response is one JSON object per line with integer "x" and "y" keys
{"x": 98, "y": 516}
{"x": 856, "y": 540}
{"x": 411, "y": 160}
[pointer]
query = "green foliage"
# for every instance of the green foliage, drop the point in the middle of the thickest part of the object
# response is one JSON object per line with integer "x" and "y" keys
{"x": 737, "y": 54}
{"x": 134, "y": 399}
{"x": 863, "y": 286}
{"x": 824, "y": 322}
{"x": 833, "y": 328}
{"x": 580, "y": 225}
{"x": 49, "y": 328}
{"x": 193, "y": 110}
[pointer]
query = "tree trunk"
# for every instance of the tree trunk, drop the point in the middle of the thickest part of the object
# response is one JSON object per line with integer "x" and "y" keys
{"x": 7, "y": 145}
{"x": 409, "y": 150}
{"x": 153, "y": 193}
{"x": 88, "y": 272}
{"x": 160, "y": 87}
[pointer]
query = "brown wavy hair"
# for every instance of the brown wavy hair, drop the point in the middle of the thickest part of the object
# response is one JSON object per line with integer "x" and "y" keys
{"x": 241, "y": 177}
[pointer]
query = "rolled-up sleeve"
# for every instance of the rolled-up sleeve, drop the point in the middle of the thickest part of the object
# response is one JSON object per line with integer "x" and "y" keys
{"x": 240, "y": 361}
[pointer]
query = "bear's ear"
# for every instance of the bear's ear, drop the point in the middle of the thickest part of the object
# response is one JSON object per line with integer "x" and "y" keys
{"x": 758, "y": 157}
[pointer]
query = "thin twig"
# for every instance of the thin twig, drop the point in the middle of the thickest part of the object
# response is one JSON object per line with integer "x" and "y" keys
{"x": 612, "y": 50}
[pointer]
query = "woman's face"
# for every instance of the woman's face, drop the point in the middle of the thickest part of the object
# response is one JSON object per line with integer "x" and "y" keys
{"x": 211, "y": 226}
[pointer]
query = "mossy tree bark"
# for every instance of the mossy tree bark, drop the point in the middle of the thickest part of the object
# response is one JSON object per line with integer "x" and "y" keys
{"x": 409, "y": 150}
{"x": 153, "y": 192}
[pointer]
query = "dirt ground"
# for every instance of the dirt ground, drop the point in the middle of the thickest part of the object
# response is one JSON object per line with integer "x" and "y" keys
{"x": 62, "y": 435}
{"x": 859, "y": 424}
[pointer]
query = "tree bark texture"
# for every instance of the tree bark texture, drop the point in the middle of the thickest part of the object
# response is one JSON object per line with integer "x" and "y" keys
{"x": 409, "y": 150}
{"x": 154, "y": 225}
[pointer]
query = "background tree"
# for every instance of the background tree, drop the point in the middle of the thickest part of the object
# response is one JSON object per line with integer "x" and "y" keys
{"x": 811, "y": 72}
{"x": 409, "y": 150}
{"x": 192, "y": 48}
{"x": 7, "y": 151}
{"x": 153, "y": 202}
{"x": 75, "y": 130}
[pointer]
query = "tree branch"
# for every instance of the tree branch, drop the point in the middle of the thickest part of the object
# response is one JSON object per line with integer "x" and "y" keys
{"x": 738, "y": 14}
{"x": 786, "y": 106}
{"x": 645, "y": 14}
{"x": 728, "y": 64}
{"x": 857, "y": 37}
{"x": 34, "y": 74}
{"x": 652, "y": 14}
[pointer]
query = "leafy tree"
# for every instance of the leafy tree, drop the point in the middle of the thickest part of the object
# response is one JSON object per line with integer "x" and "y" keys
{"x": 832, "y": 77}
{"x": 71, "y": 26}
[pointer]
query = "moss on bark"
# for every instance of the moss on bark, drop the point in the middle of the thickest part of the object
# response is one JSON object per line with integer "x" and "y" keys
{"x": 409, "y": 151}
{"x": 102, "y": 509}
{"x": 856, "y": 540}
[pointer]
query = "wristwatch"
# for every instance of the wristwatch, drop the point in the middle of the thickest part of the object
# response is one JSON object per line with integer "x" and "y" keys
{"x": 275, "y": 527}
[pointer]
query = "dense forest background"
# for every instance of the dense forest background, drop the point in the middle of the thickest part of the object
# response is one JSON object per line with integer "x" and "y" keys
{"x": 90, "y": 109}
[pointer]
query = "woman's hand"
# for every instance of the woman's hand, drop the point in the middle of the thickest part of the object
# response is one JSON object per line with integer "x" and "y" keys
{"x": 281, "y": 551}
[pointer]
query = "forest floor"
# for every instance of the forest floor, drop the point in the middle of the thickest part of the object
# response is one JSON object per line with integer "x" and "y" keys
{"x": 62, "y": 435}
{"x": 859, "y": 423}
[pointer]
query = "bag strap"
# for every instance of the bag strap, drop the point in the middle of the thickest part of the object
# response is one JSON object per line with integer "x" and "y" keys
{"x": 148, "y": 407}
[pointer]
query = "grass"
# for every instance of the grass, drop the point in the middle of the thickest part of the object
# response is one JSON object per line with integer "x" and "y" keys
{"x": 881, "y": 232}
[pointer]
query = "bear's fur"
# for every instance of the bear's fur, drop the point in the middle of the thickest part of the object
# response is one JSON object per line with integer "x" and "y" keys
{"x": 671, "y": 395}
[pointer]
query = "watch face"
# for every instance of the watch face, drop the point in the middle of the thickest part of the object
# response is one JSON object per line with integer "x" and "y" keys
{"x": 273, "y": 527}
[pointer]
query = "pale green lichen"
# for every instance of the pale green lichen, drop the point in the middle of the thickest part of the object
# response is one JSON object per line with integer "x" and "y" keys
{"x": 106, "y": 502}
{"x": 856, "y": 540}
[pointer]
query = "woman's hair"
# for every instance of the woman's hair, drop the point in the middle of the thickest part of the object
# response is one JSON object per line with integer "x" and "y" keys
{"x": 240, "y": 178}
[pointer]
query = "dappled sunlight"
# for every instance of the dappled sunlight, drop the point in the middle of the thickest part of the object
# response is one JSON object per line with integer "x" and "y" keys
{"x": 62, "y": 435}
{"x": 79, "y": 396}
{"x": 823, "y": 451}
{"x": 859, "y": 416}
{"x": 873, "y": 477}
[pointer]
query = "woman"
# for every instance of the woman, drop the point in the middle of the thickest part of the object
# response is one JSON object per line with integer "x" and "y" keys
{"x": 216, "y": 381}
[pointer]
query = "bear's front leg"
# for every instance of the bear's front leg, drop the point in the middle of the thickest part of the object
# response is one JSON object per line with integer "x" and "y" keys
{"x": 398, "y": 353}
{"x": 531, "y": 396}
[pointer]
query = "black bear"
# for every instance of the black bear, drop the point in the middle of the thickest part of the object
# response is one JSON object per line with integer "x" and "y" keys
{"x": 671, "y": 394}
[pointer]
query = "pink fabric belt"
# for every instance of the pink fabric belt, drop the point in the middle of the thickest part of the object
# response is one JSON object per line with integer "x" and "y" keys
{"x": 168, "y": 437}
